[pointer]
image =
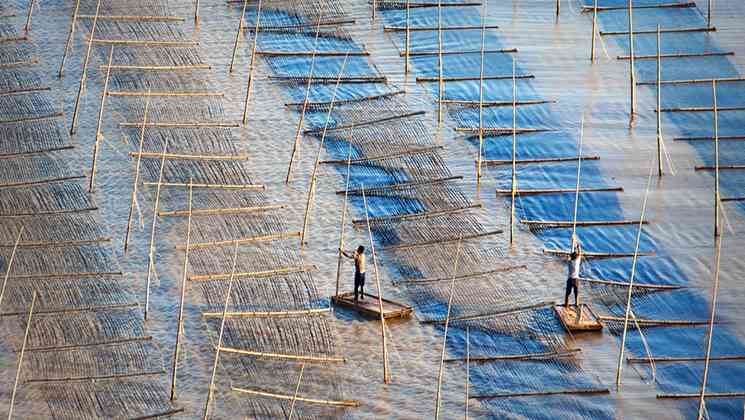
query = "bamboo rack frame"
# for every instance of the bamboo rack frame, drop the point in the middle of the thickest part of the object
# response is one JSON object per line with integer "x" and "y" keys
{"x": 429, "y": 53}
{"x": 55, "y": 244}
{"x": 650, "y": 6}
{"x": 24, "y": 90}
{"x": 332, "y": 79}
{"x": 41, "y": 181}
{"x": 503, "y": 130}
{"x": 497, "y": 103}
{"x": 441, "y": 241}
{"x": 366, "y": 123}
{"x": 411, "y": 152}
{"x": 181, "y": 156}
{"x": 600, "y": 254}
{"x": 70, "y": 36}
{"x": 13, "y": 39}
{"x": 320, "y": 22}
{"x": 471, "y": 78}
{"x": 267, "y": 314}
{"x": 93, "y": 344}
{"x": 252, "y": 239}
{"x": 224, "y": 210}
{"x": 310, "y": 53}
{"x": 164, "y": 93}
{"x": 400, "y": 185}
{"x": 84, "y": 74}
{"x": 496, "y": 162}
{"x": 702, "y": 109}
{"x": 208, "y": 186}
{"x": 413, "y": 5}
{"x": 720, "y": 167}
{"x": 32, "y": 119}
{"x": 704, "y": 138}
{"x": 78, "y": 310}
{"x": 284, "y": 356}
{"x": 708, "y": 395}
{"x": 340, "y": 403}
{"x": 94, "y": 377}
{"x": 658, "y": 322}
{"x": 42, "y": 213}
{"x": 526, "y": 356}
{"x": 254, "y": 274}
{"x": 99, "y": 122}
{"x": 421, "y": 215}
{"x": 582, "y": 391}
{"x": 30, "y": 62}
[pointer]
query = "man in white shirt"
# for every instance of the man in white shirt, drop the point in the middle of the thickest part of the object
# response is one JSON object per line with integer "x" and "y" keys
{"x": 575, "y": 261}
{"x": 359, "y": 270}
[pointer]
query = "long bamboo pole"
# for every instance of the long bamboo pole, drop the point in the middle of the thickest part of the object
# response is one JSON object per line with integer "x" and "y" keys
{"x": 576, "y": 193}
{"x": 716, "y": 159}
{"x": 632, "y": 76}
{"x": 408, "y": 36}
{"x": 20, "y": 357}
{"x": 237, "y": 35}
{"x": 513, "y": 186}
{"x": 70, "y": 37}
{"x": 440, "y": 82}
{"x": 380, "y": 290}
{"x": 708, "y": 12}
{"x": 710, "y": 336}
{"x": 84, "y": 75}
{"x": 297, "y": 388}
{"x": 151, "y": 248}
{"x": 659, "y": 105}
{"x": 619, "y": 366}
{"x": 180, "y": 328}
{"x": 196, "y": 13}
{"x": 445, "y": 335}
{"x": 299, "y": 130}
{"x": 314, "y": 174}
{"x": 97, "y": 142}
{"x": 594, "y": 30}
{"x": 251, "y": 64}
{"x": 468, "y": 366}
{"x": 211, "y": 387}
{"x": 27, "y": 26}
{"x": 137, "y": 174}
{"x": 343, "y": 220}
{"x": 10, "y": 264}
{"x": 481, "y": 99}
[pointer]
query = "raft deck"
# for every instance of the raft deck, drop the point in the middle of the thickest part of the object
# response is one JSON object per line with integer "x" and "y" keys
{"x": 369, "y": 306}
{"x": 587, "y": 322}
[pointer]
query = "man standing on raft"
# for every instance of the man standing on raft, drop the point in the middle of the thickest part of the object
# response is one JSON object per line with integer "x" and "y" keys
{"x": 359, "y": 269}
{"x": 575, "y": 261}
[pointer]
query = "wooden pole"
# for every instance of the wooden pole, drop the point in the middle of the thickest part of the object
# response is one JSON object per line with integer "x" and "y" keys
{"x": 237, "y": 36}
{"x": 558, "y": 8}
{"x": 137, "y": 175}
{"x": 343, "y": 220}
{"x": 84, "y": 75}
{"x": 211, "y": 387}
{"x": 151, "y": 248}
{"x": 251, "y": 64}
{"x": 299, "y": 130}
{"x": 710, "y": 336}
{"x": 374, "y": 8}
{"x": 481, "y": 99}
{"x": 445, "y": 335}
{"x": 716, "y": 159}
{"x": 440, "y": 83}
{"x": 297, "y": 388}
{"x": 180, "y": 328}
{"x": 314, "y": 174}
{"x": 408, "y": 36}
{"x": 708, "y": 13}
{"x": 380, "y": 290}
{"x": 27, "y": 26}
{"x": 10, "y": 264}
{"x": 594, "y": 29}
{"x": 632, "y": 77}
{"x": 70, "y": 37}
{"x": 631, "y": 280}
{"x": 468, "y": 366}
{"x": 20, "y": 357}
{"x": 659, "y": 105}
{"x": 96, "y": 143}
{"x": 196, "y": 13}
{"x": 513, "y": 187}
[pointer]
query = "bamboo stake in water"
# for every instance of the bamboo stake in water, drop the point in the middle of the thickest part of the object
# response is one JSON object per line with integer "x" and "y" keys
{"x": 27, "y": 26}
{"x": 440, "y": 82}
{"x": 632, "y": 76}
{"x": 10, "y": 263}
{"x": 137, "y": 173}
{"x": 314, "y": 174}
{"x": 513, "y": 188}
{"x": 237, "y": 36}
{"x": 468, "y": 365}
{"x": 408, "y": 35}
{"x": 196, "y": 13}
{"x": 558, "y": 8}
{"x": 299, "y": 130}
{"x": 70, "y": 37}
{"x": 594, "y": 30}
{"x": 445, "y": 335}
{"x": 297, "y": 389}
{"x": 251, "y": 65}
{"x": 708, "y": 13}
{"x": 481, "y": 99}
{"x": 20, "y": 357}
{"x": 84, "y": 75}
{"x": 343, "y": 220}
{"x": 380, "y": 290}
{"x": 659, "y": 105}
{"x": 151, "y": 249}
{"x": 710, "y": 336}
{"x": 180, "y": 328}
{"x": 96, "y": 143}
{"x": 211, "y": 387}
{"x": 716, "y": 158}
{"x": 631, "y": 280}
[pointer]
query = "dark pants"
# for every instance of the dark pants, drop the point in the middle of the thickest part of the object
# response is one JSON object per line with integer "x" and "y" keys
{"x": 359, "y": 281}
{"x": 572, "y": 286}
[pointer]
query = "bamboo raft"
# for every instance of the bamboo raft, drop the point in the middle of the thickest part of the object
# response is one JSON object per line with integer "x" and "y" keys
{"x": 369, "y": 307}
{"x": 587, "y": 321}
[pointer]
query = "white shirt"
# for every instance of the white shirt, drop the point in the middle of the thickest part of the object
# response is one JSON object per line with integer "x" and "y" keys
{"x": 574, "y": 267}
